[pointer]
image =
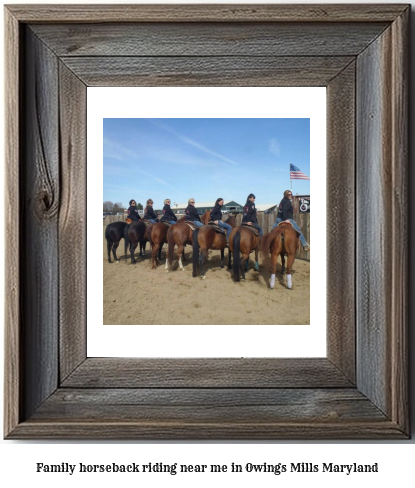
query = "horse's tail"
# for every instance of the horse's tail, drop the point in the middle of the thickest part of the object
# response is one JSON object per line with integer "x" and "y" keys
{"x": 126, "y": 241}
{"x": 236, "y": 256}
{"x": 196, "y": 249}
{"x": 170, "y": 246}
{"x": 267, "y": 243}
{"x": 148, "y": 235}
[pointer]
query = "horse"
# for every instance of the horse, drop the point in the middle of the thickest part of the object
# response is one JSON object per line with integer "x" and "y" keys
{"x": 181, "y": 234}
{"x": 157, "y": 236}
{"x": 205, "y": 238}
{"x": 282, "y": 240}
{"x": 135, "y": 233}
{"x": 242, "y": 241}
{"x": 113, "y": 234}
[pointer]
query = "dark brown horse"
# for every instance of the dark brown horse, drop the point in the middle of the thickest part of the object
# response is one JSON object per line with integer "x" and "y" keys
{"x": 282, "y": 240}
{"x": 135, "y": 233}
{"x": 241, "y": 242}
{"x": 179, "y": 235}
{"x": 113, "y": 234}
{"x": 206, "y": 238}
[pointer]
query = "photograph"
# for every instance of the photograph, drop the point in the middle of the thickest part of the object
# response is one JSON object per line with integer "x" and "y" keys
{"x": 205, "y": 219}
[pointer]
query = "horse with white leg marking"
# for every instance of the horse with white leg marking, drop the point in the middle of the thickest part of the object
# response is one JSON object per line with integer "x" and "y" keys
{"x": 283, "y": 240}
{"x": 179, "y": 235}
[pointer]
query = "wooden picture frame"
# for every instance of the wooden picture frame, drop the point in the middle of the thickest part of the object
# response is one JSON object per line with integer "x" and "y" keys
{"x": 360, "y": 53}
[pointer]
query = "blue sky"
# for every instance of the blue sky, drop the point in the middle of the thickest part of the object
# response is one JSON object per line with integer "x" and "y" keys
{"x": 204, "y": 159}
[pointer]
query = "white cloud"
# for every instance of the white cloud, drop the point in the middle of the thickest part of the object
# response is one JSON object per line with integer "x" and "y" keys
{"x": 191, "y": 142}
{"x": 274, "y": 147}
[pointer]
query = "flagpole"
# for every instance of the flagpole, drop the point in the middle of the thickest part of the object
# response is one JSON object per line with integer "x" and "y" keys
{"x": 291, "y": 180}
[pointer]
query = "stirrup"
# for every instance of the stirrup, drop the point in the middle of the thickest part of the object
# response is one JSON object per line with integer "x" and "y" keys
{"x": 306, "y": 248}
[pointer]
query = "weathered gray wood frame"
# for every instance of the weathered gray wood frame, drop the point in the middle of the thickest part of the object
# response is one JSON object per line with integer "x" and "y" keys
{"x": 359, "y": 52}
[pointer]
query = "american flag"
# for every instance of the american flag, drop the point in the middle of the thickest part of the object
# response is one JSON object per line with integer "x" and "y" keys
{"x": 296, "y": 174}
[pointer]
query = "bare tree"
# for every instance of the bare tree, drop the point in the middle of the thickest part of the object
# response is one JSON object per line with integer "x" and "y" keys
{"x": 108, "y": 206}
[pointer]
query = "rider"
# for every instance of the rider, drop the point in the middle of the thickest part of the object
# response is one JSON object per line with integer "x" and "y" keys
{"x": 132, "y": 212}
{"x": 168, "y": 214}
{"x": 250, "y": 213}
{"x": 191, "y": 213}
{"x": 216, "y": 216}
{"x": 149, "y": 213}
{"x": 285, "y": 213}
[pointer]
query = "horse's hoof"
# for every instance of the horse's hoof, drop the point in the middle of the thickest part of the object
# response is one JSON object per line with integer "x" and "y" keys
{"x": 203, "y": 277}
{"x": 116, "y": 262}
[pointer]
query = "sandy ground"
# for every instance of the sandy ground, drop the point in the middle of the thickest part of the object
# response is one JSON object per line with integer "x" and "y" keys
{"x": 137, "y": 294}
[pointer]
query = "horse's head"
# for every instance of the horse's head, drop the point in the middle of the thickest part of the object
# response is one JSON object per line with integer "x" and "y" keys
{"x": 206, "y": 216}
{"x": 231, "y": 221}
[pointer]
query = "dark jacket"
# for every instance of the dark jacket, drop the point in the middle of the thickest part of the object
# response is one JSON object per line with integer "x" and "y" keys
{"x": 168, "y": 214}
{"x": 216, "y": 213}
{"x": 150, "y": 214}
{"x": 191, "y": 213}
{"x": 250, "y": 212}
{"x": 133, "y": 214}
{"x": 285, "y": 209}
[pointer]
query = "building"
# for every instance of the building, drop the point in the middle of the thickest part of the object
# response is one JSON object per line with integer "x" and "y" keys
{"x": 266, "y": 207}
{"x": 201, "y": 207}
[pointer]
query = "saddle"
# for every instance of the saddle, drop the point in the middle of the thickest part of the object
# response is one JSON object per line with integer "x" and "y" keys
{"x": 166, "y": 223}
{"x": 190, "y": 224}
{"x": 284, "y": 222}
{"x": 147, "y": 223}
{"x": 251, "y": 227}
{"x": 216, "y": 228}
{"x": 129, "y": 221}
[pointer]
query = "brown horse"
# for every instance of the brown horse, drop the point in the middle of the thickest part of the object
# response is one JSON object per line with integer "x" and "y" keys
{"x": 282, "y": 240}
{"x": 206, "y": 238}
{"x": 242, "y": 241}
{"x": 179, "y": 235}
{"x": 157, "y": 236}
{"x": 135, "y": 233}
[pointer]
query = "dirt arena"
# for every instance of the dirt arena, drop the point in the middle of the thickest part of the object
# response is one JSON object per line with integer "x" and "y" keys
{"x": 137, "y": 294}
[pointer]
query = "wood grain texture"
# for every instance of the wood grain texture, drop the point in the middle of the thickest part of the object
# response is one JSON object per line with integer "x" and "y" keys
{"x": 40, "y": 206}
{"x": 400, "y": 253}
{"x": 206, "y": 373}
{"x": 206, "y": 13}
{"x": 72, "y": 222}
{"x": 206, "y": 71}
{"x": 210, "y": 405}
{"x": 207, "y": 399}
{"x": 374, "y": 167}
{"x": 188, "y": 430}
{"x": 341, "y": 235}
{"x": 12, "y": 371}
{"x": 183, "y": 39}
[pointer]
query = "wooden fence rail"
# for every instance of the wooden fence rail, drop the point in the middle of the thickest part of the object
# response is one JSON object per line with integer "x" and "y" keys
{"x": 266, "y": 221}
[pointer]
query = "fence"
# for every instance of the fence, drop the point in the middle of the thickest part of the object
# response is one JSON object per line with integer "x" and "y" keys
{"x": 266, "y": 221}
